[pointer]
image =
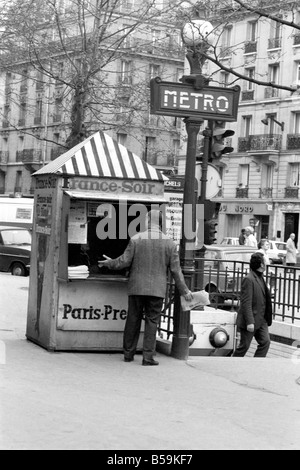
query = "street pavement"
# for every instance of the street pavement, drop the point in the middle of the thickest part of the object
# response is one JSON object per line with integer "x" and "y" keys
{"x": 95, "y": 401}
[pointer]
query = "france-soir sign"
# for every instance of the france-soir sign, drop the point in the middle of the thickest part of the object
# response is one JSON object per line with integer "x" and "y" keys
{"x": 183, "y": 100}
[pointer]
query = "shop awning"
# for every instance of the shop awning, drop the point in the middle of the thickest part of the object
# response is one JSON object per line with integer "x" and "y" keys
{"x": 101, "y": 156}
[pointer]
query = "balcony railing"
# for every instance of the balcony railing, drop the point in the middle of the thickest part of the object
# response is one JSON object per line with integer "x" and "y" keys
{"x": 265, "y": 193}
{"x": 260, "y": 142}
{"x": 248, "y": 95}
{"x": 291, "y": 193}
{"x": 274, "y": 43}
{"x": 242, "y": 193}
{"x": 21, "y": 122}
{"x": 4, "y": 156}
{"x": 250, "y": 47}
{"x": 37, "y": 120}
{"x": 29, "y": 156}
{"x": 271, "y": 92}
{"x": 293, "y": 141}
{"x": 5, "y": 124}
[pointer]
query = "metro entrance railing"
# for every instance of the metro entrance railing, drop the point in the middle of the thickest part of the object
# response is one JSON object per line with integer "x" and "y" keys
{"x": 223, "y": 286}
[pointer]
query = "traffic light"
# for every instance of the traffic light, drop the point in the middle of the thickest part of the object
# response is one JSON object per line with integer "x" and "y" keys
{"x": 210, "y": 231}
{"x": 219, "y": 146}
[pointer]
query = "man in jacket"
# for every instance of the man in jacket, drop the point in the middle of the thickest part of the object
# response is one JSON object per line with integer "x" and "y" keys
{"x": 255, "y": 313}
{"x": 291, "y": 251}
{"x": 149, "y": 255}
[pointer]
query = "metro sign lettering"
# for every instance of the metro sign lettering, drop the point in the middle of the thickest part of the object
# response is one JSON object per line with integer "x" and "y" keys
{"x": 183, "y": 100}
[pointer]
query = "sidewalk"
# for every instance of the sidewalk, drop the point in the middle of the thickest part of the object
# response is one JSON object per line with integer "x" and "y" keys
{"x": 96, "y": 401}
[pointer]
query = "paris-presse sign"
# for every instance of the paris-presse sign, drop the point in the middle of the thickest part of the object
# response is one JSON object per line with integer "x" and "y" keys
{"x": 183, "y": 100}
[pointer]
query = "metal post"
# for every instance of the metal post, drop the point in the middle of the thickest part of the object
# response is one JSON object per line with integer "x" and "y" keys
{"x": 181, "y": 332}
{"x": 204, "y": 167}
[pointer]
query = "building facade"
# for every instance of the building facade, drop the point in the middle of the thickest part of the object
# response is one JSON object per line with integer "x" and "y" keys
{"x": 261, "y": 178}
{"x": 35, "y": 119}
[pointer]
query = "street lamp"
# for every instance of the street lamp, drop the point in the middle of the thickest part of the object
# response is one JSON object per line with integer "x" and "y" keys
{"x": 197, "y": 36}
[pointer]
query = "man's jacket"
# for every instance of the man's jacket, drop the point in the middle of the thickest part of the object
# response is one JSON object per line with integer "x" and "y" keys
{"x": 255, "y": 303}
{"x": 149, "y": 255}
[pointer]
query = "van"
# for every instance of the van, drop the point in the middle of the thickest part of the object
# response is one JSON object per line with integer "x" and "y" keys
{"x": 16, "y": 211}
{"x": 15, "y": 250}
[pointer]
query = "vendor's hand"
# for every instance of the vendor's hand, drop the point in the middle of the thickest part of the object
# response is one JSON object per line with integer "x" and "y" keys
{"x": 189, "y": 296}
{"x": 105, "y": 262}
{"x": 250, "y": 328}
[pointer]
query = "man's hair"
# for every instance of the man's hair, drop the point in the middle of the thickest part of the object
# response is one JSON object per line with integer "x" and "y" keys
{"x": 256, "y": 260}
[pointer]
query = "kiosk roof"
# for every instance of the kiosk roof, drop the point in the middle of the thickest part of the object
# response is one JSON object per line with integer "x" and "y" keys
{"x": 101, "y": 156}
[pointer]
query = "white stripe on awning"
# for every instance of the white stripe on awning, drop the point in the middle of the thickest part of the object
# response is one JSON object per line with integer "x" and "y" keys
{"x": 102, "y": 157}
{"x": 116, "y": 197}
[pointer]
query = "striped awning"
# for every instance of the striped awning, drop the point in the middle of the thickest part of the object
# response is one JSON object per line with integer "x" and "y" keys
{"x": 102, "y": 157}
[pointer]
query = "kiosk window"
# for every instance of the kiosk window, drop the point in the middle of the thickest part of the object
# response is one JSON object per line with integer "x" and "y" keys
{"x": 85, "y": 247}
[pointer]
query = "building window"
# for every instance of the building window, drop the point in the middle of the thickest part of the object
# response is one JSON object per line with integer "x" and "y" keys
{"x": 150, "y": 150}
{"x": 275, "y": 35}
{"x": 22, "y": 114}
{"x": 226, "y": 40}
{"x": 224, "y": 79}
{"x": 247, "y": 126}
{"x": 156, "y": 37}
{"x": 250, "y": 73}
{"x": 154, "y": 71}
{"x": 274, "y": 73}
{"x": 126, "y": 77}
{"x": 267, "y": 176}
{"x": 38, "y": 112}
{"x": 127, "y": 34}
{"x": 297, "y": 123}
{"x": 243, "y": 180}
{"x": 294, "y": 175}
{"x": 252, "y": 31}
{"x": 18, "y": 187}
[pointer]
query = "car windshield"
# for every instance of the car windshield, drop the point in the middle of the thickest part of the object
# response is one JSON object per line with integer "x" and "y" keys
{"x": 16, "y": 237}
{"x": 280, "y": 246}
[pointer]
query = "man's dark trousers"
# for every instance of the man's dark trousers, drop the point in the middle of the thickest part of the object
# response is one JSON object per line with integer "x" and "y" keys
{"x": 262, "y": 337}
{"x": 138, "y": 305}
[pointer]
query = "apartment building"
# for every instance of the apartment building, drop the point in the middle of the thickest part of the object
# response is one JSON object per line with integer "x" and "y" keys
{"x": 35, "y": 108}
{"x": 261, "y": 178}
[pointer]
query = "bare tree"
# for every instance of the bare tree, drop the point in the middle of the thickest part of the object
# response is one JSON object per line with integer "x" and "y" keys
{"x": 75, "y": 47}
{"x": 222, "y": 13}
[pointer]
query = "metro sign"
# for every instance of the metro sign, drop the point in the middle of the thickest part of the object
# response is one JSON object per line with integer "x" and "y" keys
{"x": 183, "y": 100}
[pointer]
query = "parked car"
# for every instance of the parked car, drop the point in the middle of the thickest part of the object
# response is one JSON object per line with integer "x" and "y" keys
{"x": 223, "y": 268}
{"x": 277, "y": 252}
{"x": 15, "y": 249}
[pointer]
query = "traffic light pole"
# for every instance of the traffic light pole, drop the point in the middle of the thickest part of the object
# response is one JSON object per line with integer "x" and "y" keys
{"x": 207, "y": 133}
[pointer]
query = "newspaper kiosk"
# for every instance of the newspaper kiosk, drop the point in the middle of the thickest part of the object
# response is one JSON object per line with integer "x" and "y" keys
{"x": 74, "y": 305}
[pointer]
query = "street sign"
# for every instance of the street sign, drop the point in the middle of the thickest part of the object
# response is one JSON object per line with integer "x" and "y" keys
{"x": 183, "y": 100}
